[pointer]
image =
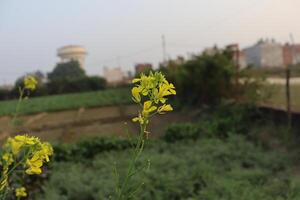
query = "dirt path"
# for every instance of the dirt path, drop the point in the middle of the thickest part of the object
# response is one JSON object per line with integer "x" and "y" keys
{"x": 71, "y": 125}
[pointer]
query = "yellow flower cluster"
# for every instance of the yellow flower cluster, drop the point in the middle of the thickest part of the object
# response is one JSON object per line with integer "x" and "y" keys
{"x": 30, "y": 83}
{"x": 151, "y": 92}
{"x": 21, "y": 192}
{"x": 23, "y": 151}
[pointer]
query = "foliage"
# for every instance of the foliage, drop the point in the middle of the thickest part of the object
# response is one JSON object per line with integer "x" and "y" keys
{"x": 68, "y": 101}
{"x": 209, "y": 169}
{"x": 83, "y": 84}
{"x": 68, "y": 70}
{"x": 183, "y": 131}
{"x": 39, "y": 90}
{"x": 21, "y": 155}
{"x": 88, "y": 148}
{"x": 203, "y": 79}
{"x": 220, "y": 122}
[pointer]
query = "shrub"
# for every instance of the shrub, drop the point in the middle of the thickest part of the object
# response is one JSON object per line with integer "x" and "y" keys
{"x": 204, "y": 79}
{"x": 88, "y": 148}
{"x": 176, "y": 132}
{"x": 208, "y": 169}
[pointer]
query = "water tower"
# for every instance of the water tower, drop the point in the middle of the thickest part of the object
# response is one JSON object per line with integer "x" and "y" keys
{"x": 72, "y": 52}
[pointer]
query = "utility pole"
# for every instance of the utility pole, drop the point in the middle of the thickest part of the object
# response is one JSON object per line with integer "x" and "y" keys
{"x": 163, "y": 40}
{"x": 287, "y": 86}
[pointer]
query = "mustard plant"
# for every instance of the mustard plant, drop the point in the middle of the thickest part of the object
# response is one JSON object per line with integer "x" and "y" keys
{"x": 21, "y": 155}
{"x": 30, "y": 84}
{"x": 150, "y": 93}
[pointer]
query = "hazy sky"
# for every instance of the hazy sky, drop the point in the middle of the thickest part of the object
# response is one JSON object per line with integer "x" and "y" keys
{"x": 124, "y": 32}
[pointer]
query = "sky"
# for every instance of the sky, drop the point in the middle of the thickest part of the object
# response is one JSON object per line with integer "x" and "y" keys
{"x": 124, "y": 32}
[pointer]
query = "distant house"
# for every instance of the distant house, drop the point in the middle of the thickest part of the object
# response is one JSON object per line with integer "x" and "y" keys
{"x": 238, "y": 56}
{"x": 7, "y": 87}
{"x": 114, "y": 76}
{"x": 291, "y": 54}
{"x": 265, "y": 54}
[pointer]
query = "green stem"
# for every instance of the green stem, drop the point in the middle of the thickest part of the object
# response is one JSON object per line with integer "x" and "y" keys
{"x": 21, "y": 92}
{"x": 136, "y": 154}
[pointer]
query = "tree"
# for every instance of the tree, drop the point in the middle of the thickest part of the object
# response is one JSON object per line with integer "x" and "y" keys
{"x": 204, "y": 79}
{"x": 40, "y": 90}
{"x": 69, "y": 70}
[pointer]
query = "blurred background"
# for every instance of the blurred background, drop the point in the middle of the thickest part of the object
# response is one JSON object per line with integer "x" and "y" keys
{"x": 234, "y": 132}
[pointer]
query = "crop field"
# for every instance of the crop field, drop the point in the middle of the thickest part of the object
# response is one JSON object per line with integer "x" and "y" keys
{"x": 67, "y": 101}
{"x": 277, "y": 96}
{"x": 209, "y": 169}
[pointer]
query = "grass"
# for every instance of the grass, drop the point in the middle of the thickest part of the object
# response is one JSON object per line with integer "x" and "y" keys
{"x": 209, "y": 169}
{"x": 69, "y": 101}
{"x": 278, "y": 96}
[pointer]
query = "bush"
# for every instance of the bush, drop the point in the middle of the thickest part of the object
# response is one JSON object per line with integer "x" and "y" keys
{"x": 203, "y": 79}
{"x": 177, "y": 132}
{"x": 203, "y": 169}
{"x": 62, "y": 86}
{"x": 88, "y": 148}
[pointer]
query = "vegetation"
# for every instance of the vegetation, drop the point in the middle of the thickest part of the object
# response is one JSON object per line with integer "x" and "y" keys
{"x": 208, "y": 169}
{"x": 21, "y": 155}
{"x": 68, "y": 70}
{"x": 203, "y": 79}
{"x": 67, "y": 101}
{"x": 279, "y": 72}
{"x": 278, "y": 96}
{"x": 216, "y": 158}
{"x": 65, "y": 78}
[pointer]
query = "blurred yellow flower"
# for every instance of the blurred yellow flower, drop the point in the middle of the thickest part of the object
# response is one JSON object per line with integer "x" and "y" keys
{"x": 8, "y": 158}
{"x": 20, "y": 192}
{"x": 30, "y": 83}
{"x": 34, "y": 164}
{"x": 136, "y": 94}
{"x": 148, "y": 108}
{"x": 164, "y": 108}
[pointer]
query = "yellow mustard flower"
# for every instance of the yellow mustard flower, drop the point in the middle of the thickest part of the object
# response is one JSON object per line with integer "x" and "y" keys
{"x": 155, "y": 89}
{"x": 20, "y": 192}
{"x": 8, "y": 158}
{"x": 34, "y": 164}
{"x": 15, "y": 145}
{"x": 45, "y": 152}
{"x": 148, "y": 108}
{"x": 164, "y": 108}
{"x": 139, "y": 119}
{"x": 136, "y": 94}
{"x": 30, "y": 83}
{"x": 27, "y": 139}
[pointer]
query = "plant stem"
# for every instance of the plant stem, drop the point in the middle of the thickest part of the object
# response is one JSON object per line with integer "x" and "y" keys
{"x": 21, "y": 91}
{"x": 136, "y": 154}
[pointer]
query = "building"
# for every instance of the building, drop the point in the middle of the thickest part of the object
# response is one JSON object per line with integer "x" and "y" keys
{"x": 114, "y": 76}
{"x": 238, "y": 56}
{"x": 72, "y": 52}
{"x": 143, "y": 68}
{"x": 265, "y": 53}
{"x": 291, "y": 54}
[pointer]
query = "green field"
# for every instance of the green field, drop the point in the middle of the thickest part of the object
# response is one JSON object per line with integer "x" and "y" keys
{"x": 207, "y": 169}
{"x": 278, "y": 96}
{"x": 67, "y": 101}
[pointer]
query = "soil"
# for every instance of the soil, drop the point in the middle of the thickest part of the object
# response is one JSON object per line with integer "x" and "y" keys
{"x": 72, "y": 125}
